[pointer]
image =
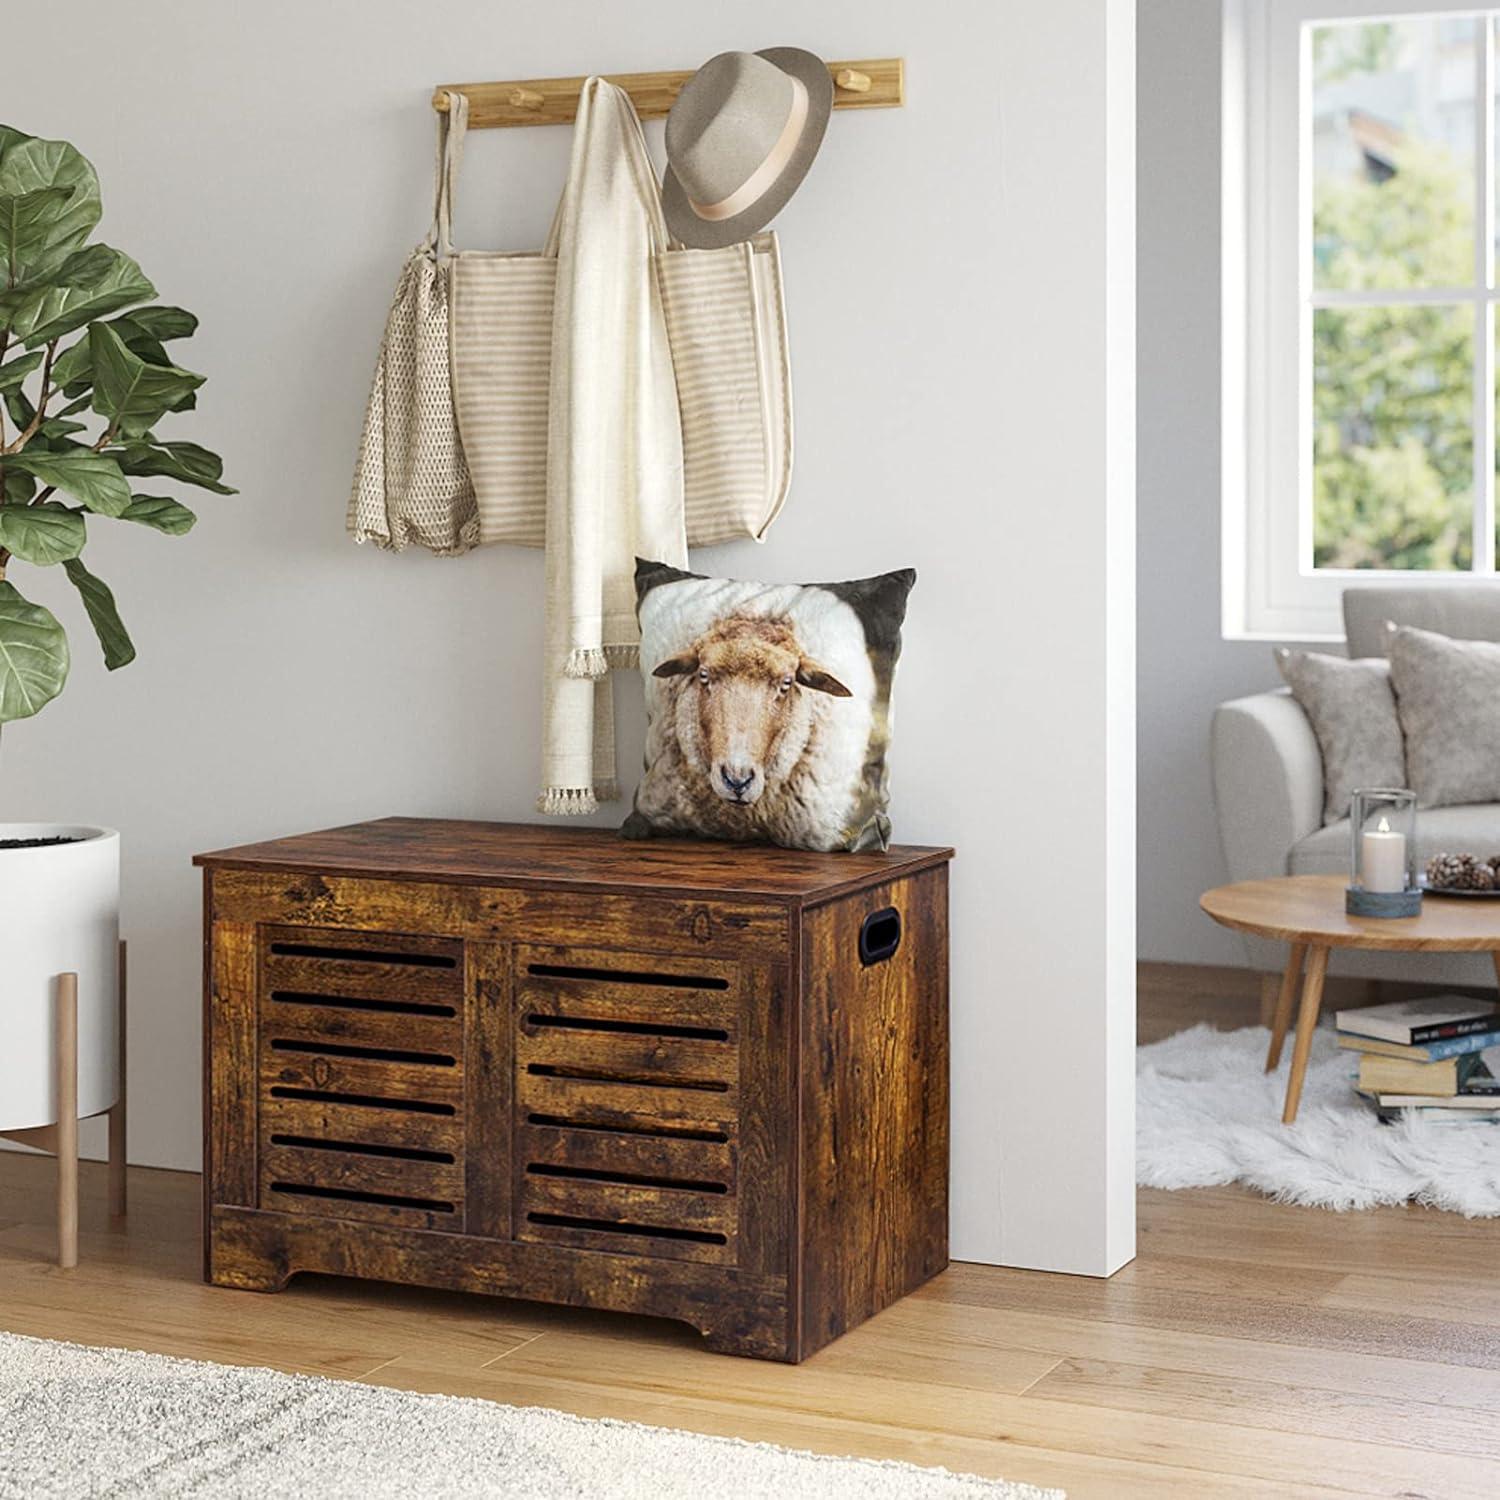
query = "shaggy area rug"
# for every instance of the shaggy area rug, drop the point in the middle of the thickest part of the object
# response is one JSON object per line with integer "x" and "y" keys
{"x": 78, "y": 1422}
{"x": 1207, "y": 1114}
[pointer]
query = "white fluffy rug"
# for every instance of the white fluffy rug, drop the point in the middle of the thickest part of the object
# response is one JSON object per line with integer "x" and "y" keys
{"x": 93, "y": 1423}
{"x": 1207, "y": 1114}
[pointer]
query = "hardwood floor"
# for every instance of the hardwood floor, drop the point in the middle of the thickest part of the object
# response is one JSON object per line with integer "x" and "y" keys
{"x": 1251, "y": 1350}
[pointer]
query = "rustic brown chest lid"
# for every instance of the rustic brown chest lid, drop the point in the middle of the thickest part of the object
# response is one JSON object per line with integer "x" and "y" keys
{"x": 598, "y": 859}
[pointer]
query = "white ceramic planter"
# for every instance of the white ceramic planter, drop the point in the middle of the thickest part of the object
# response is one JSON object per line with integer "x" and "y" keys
{"x": 59, "y": 913}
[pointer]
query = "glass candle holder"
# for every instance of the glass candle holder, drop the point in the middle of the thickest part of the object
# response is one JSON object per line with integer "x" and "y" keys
{"x": 1383, "y": 854}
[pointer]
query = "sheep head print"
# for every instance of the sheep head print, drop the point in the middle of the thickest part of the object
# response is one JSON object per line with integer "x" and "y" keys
{"x": 769, "y": 708}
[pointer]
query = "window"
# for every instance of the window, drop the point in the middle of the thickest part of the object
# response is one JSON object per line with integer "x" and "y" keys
{"x": 1360, "y": 290}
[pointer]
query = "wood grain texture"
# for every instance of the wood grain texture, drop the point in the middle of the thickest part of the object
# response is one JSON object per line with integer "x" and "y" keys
{"x": 230, "y": 1087}
{"x": 526, "y": 856}
{"x": 880, "y": 84}
{"x": 874, "y": 1154}
{"x": 1310, "y": 909}
{"x": 489, "y": 1106}
{"x": 503, "y": 1073}
{"x": 501, "y": 913}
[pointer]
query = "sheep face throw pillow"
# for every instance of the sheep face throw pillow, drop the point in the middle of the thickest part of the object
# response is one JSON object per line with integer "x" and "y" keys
{"x": 769, "y": 708}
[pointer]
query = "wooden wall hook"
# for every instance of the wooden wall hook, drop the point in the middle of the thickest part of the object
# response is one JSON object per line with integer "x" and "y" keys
{"x": 860, "y": 83}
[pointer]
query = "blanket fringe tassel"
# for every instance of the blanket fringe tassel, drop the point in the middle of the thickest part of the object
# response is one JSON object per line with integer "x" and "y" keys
{"x": 576, "y": 801}
{"x": 593, "y": 662}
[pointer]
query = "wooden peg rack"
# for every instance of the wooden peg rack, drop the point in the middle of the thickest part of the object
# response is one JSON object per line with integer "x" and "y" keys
{"x": 878, "y": 83}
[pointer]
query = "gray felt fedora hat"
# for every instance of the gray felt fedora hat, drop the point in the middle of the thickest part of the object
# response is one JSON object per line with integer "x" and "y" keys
{"x": 740, "y": 138}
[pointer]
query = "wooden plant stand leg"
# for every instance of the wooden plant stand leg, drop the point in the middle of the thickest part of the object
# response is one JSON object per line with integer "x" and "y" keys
{"x": 1307, "y": 1022}
{"x": 117, "y": 1118}
{"x": 67, "y": 1121}
{"x": 1281, "y": 1017}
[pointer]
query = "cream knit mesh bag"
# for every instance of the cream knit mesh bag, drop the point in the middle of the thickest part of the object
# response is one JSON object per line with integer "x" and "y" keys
{"x": 411, "y": 480}
{"x": 726, "y": 326}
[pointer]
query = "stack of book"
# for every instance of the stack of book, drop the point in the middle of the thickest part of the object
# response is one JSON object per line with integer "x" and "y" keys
{"x": 1439, "y": 1055}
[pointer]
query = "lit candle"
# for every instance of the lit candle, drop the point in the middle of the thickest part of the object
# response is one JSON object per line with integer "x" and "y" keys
{"x": 1382, "y": 863}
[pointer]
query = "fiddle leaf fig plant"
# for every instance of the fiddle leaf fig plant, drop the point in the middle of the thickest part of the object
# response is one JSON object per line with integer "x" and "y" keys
{"x": 85, "y": 378}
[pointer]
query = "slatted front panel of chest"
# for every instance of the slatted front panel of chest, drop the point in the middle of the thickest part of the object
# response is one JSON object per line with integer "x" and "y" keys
{"x": 361, "y": 1077}
{"x": 627, "y": 1102}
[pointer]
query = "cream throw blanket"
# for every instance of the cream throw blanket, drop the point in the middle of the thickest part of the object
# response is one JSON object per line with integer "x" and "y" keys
{"x": 614, "y": 443}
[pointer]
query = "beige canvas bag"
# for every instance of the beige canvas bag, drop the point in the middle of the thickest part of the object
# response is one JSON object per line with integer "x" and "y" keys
{"x": 726, "y": 324}
{"x": 411, "y": 482}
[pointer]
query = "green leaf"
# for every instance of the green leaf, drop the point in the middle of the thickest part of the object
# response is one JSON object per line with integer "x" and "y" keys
{"x": 26, "y": 225}
{"x": 42, "y": 534}
{"x": 89, "y": 284}
{"x": 19, "y": 406}
{"x": 14, "y": 371}
{"x": 18, "y": 488}
{"x": 33, "y": 656}
{"x": 81, "y": 473}
{"x": 55, "y": 429}
{"x": 29, "y": 165}
{"x": 185, "y": 461}
{"x": 160, "y": 513}
{"x": 100, "y": 603}
{"x": 157, "y": 322}
{"x": 127, "y": 390}
{"x": 141, "y": 331}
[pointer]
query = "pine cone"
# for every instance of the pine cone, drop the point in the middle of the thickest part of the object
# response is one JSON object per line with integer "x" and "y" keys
{"x": 1477, "y": 877}
{"x": 1449, "y": 871}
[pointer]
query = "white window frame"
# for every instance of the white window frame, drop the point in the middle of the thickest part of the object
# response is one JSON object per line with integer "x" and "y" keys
{"x": 1270, "y": 589}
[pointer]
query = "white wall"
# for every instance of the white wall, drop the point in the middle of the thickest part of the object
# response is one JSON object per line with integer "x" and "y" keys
{"x": 1185, "y": 667}
{"x": 959, "y": 301}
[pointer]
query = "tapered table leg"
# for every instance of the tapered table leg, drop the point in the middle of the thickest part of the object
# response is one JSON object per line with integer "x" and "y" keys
{"x": 117, "y": 1118}
{"x": 67, "y": 1121}
{"x": 1282, "y": 1017}
{"x": 1307, "y": 1022}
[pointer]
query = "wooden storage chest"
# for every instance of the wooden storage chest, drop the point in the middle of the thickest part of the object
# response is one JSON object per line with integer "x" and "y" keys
{"x": 701, "y": 1081}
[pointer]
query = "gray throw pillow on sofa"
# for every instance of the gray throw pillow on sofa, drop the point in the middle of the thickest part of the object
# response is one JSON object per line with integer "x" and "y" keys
{"x": 1353, "y": 714}
{"x": 1448, "y": 696}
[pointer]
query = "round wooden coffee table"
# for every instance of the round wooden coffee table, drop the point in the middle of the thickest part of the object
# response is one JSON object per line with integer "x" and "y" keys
{"x": 1307, "y": 911}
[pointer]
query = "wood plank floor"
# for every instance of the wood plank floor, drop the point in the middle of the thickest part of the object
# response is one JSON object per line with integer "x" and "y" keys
{"x": 1251, "y": 1349}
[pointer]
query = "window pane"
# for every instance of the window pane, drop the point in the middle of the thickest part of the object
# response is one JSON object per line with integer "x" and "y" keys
{"x": 1393, "y": 153}
{"x": 1393, "y": 444}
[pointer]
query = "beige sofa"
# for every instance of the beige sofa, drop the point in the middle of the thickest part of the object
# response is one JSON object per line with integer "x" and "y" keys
{"x": 1268, "y": 781}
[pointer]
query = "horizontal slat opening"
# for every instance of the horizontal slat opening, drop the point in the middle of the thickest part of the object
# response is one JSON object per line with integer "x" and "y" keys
{"x": 350, "y": 1195}
{"x": 629, "y": 1028}
{"x": 629, "y": 976}
{"x": 363, "y": 1148}
{"x": 375, "y": 1054}
{"x": 635, "y": 1080}
{"x": 666, "y": 1132}
{"x": 645, "y": 1231}
{"x": 365, "y": 955}
{"x": 343, "y": 1002}
{"x": 366, "y": 1101}
{"x": 625, "y": 1179}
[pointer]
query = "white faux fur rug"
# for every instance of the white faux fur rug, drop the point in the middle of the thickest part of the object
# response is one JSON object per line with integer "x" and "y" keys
{"x": 86, "y": 1424}
{"x": 1207, "y": 1113}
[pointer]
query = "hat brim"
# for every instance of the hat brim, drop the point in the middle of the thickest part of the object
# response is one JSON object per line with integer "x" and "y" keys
{"x": 709, "y": 234}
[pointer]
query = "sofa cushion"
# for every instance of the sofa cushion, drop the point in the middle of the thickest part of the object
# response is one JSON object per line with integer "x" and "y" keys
{"x": 1448, "y": 697}
{"x": 1474, "y": 829}
{"x": 1465, "y": 611}
{"x": 1353, "y": 713}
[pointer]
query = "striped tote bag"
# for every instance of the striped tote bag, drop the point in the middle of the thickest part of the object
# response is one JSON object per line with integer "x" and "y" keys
{"x": 726, "y": 324}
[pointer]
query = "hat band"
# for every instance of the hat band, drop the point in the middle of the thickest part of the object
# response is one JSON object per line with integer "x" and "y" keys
{"x": 759, "y": 182}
